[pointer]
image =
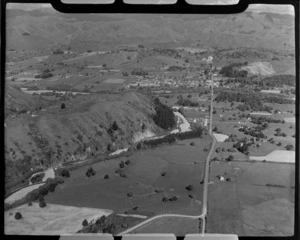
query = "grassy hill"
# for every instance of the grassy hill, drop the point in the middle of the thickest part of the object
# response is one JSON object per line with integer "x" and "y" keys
{"x": 79, "y": 131}
{"x": 101, "y": 31}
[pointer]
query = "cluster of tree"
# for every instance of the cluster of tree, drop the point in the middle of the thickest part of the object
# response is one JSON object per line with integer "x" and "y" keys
{"x": 231, "y": 70}
{"x": 90, "y": 172}
{"x": 255, "y": 131}
{"x": 102, "y": 225}
{"x": 175, "y": 68}
{"x": 279, "y": 81}
{"x": 164, "y": 116}
{"x": 139, "y": 72}
{"x": 58, "y": 51}
{"x": 195, "y": 133}
{"x": 155, "y": 142}
{"x": 37, "y": 178}
{"x": 277, "y": 99}
{"x": 45, "y": 74}
{"x": 279, "y": 133}
{"x": 262, "y": 119}
{"x": 231, "y": 138}
{"x": 171, "y": 199}
{"x": 187, "y": 102}
{"x": 62, "y": 172}
{"x": 242, "y": 145}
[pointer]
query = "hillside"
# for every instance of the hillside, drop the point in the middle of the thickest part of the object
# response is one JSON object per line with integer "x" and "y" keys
{"x": 52, "y": 29}
{"x": 81, "y": 130}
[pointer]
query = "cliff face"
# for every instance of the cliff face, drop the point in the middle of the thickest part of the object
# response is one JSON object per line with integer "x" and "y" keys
{"x": 82, "y": 130}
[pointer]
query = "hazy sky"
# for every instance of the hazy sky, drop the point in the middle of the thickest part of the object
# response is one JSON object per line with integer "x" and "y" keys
{"x": 281, "y": 9}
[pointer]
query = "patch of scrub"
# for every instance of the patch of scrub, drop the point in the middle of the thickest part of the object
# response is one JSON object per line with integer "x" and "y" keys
{"x": 50, "y": 220}
{"x": 259, "y": 68}
{"x": 220, "y": 137}
{"x": 283, "y": 156}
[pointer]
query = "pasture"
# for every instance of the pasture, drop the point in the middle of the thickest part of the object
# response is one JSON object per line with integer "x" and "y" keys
{"x": 181, "y": 164}
{"x": 265, "y": 189}
{"x": 50, "y": 220}
{"x": 176, "y": 225}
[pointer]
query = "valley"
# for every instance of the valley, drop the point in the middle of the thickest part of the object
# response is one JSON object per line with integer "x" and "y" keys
{"x": 140, "y": 124}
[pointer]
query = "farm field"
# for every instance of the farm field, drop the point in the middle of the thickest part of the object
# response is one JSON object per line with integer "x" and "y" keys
{"x": 143, "y": 177}
{"x": 176, "y": 225}
{"x": 255, "y": 202}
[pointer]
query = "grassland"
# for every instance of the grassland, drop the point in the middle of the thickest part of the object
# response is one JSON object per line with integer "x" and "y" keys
{"x": 255, "y": 202}
{"x": 177, "y": 226}
{"x": 143, "y": 178}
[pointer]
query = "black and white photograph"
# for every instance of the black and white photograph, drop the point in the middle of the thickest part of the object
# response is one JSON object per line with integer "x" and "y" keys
{"x": 143, "y": 123}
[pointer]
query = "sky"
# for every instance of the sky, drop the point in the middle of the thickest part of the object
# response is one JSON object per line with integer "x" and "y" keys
{"x": 281, "y": 9}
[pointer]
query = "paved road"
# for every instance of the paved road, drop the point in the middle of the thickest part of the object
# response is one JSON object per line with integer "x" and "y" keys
{"x": 205, "y": 190}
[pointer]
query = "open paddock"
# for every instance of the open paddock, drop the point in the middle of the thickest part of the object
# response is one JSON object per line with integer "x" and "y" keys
{"x": 176, "y": 225}
{"x": 247, "y": 206}
{"x": 143, "y": 179}
{"x": 50, "y": 220}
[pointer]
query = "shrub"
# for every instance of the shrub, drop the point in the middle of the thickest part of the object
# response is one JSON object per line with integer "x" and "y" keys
{"x": 163, "y": 174}
{"x": 138, "y": 146}
{"x": 165, "y": 199}
{"x": 63, "y": 106}
{"x": 122, "y": 164}
{"x": 174, "y": 198}
{"x": 115, "y": 126}
{"x": 130, "y": 195}
{"x": 85, "y": 223}
{"x": 37, "y": 178}
{"x": 127, "y": 162}
{"x": 63, "y": 172}
{"x": 29, "y": 203}
{"x": 192, "y": 144}
{"x": 189, "y": 187}
{"x": 106, "y": 176}
{"x": 191, "y": 196}
{"x": 90, "y": 172}
{"x": 18, "y": 216}
{"x": 42, "y": 204}
{"x": 230, "y": 158}
{"x": 123, "y": 175}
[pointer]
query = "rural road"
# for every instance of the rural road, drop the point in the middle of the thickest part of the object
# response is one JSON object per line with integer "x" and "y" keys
{"x": 205, "y": 190}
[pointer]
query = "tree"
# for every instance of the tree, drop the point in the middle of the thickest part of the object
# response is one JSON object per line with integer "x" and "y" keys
{"x": 63, "y": 106}
{"x": 106, "y": 176}
{"x": 130, "y": 195}
{"x": 85, "y": 223}
{"x": 163, "y": 174}
{"x": 127, "y": 162}
{"x": 18, "y": 216}
{"x": 289, "y": 147}
{"x": 189, "y": 187}
{"x": 122, "y": 164}
{"x": 115, "y": 126}
{"x": 42, "y": 204}
{"x": 230, "y": 158}
{"x": 192, "y": 143}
